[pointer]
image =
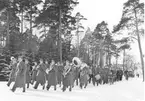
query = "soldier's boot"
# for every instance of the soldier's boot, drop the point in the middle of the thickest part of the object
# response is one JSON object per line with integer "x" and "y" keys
{"x": 90, "y": 80}
{"x": 27, "y": 85}
{"x": 43, "y": 87}
{"x": 77, "y": 82}
{"x": 81, "y": 85}
{"x": 93, "y": 80}
{"x": 14, "y": 88}
{"x": 24, "y": 90}
{"x": 32, "y": 82}
{"x": 48, "y": 87}
{"x": 73, "y": 84}
{"x": 36, "y": 85}
{"x": 9, "y": 82}
{"x": 85, "y": 85}
{"x": 64, "y": 88}
{"x": 60, "y": 84}
{"x": 55, "y": 87}
{"x": 70, "y": 89}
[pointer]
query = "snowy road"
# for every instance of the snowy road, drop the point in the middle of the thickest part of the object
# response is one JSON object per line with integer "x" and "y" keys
{"x": 131, "y": 90}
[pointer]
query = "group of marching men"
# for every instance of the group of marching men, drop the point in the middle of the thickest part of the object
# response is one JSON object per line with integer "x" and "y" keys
{"x": 46, "y": 74}
{"x": 63, "y": 74}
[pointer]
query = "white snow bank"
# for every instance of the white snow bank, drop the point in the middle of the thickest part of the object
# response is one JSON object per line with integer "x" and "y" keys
{"x": 132, "y": 90}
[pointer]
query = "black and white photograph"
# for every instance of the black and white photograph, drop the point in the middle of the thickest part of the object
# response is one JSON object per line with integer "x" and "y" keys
{"x": 72, "y": 50}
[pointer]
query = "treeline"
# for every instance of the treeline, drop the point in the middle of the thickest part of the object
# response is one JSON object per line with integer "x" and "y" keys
{"x": 55, "y": 23}
{"x": 52, "y": 17}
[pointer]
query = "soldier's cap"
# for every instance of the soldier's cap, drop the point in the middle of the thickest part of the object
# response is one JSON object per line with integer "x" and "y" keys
{"x": 26, "y": 58}
{"x": 12, "y": 58}
{"x": 21, "y": 56}
{"x": 41, "y": 59}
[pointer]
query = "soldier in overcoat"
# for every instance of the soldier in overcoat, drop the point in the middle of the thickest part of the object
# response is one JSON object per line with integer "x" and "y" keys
{"x": 28, "y": 76}
{"x": 84, "y": 77}
{"x": 59, "y": 73}
{"x": 68, "y": 77}
{"x": 41, "y": 74}
{"x": 20, "y": 75}
{"x": 52, "y": 75}
{"x": 34, "y": 72}
{"x": 12, "y": 75}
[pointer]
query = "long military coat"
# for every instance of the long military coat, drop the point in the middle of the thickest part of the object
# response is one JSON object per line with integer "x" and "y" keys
{"x": 12, "y": 75}
{"x": 28, "y": 76}
{"x": 52, "y": 76}
{"x": 41, "y": 74}
{"x": 21, "y": 75}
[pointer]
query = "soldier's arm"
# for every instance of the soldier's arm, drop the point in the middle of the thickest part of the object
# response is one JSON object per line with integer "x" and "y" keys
{"x": 20, "y": 69}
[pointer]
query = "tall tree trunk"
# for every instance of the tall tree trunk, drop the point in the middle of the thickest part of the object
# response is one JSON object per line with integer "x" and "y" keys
{"x": 95, "y": 58}
{"x": 116, "y": 60}
{"x": 22, "y": 21}
{"x": 78, "y": 53}
{"x": 8, "y": 22}
{"x": 123, "y": 59}
{"x": 31, "y": 20}
{"x": 30, "y": 32}
{"x": 101, "y": 59}
{"x": 106, "y": 57}
{"x": 45, "y": 31}
{"x": 88, "y": 53}
{"x": 94, "y": 55}
{"x": 60, "y": 43}
{"x": 139, "y": 45}
{"x": 109, "y": 60}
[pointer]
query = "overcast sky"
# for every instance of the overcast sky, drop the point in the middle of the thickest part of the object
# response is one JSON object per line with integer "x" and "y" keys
{"x": 104, "y": 10}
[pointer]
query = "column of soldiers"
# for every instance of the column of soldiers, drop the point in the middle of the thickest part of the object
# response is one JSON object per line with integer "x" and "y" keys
{"x": 46, "y": 75}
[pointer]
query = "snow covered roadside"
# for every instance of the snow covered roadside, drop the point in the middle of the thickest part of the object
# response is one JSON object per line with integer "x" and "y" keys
{"x": 132, "y": 90}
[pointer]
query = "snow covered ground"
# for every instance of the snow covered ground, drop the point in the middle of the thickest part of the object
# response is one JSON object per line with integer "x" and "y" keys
{"x": 132, "y": 90}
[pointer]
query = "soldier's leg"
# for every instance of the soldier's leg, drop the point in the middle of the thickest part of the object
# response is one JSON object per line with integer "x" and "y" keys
{"x": 27, "y": 85}
{"x": 90, "y": 77}
{"x": 81, "y": 85}
{"x": 93, "y": 80}
{"x": 24, "y": 89}
{"x": 70, "y": 89}
{"x": 9, "y": 82}
{"x": 63, "y": 88}
{"x": 86, "y": 84}
{"x": 97, "y": 82}
{"x": 14, "y": 88}
{"x": 77, "y": 82}
{"x": 43, "y": 86}
{"x": 48, "y": 87}
{"x": 36, "y": 85}
{"x": 32, "y": 82}
{"x": 54, "y": 87}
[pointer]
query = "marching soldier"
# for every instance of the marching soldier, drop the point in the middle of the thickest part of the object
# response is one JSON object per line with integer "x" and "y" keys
{"x": 52, "y": 75}
{"x": 59, "y": 73}
{"x": 40, "y": 77}
{"x": 90, "y": 74}
{"x": 46, "y": 63}
{"x": 34, "y": 72}
{"x": 47, "y": 67}
{"x": 20, "y": 75}
{"x": 12, "y": 75}
{"x": 28, "y": 77}
{"x": 84, "y": 77}
{"x": 67, "y": 77}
